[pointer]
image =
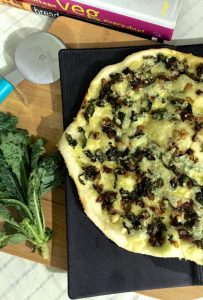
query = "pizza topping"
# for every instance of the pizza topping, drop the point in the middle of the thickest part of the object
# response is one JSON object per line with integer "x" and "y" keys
{"x": 112, "y": 153}
{"x": 129, "y": 198}
{"x": 89, "y": 111}
{"x": 100, "y": 156}
{"x": 90, "y": 155}
{"x": 190, "y": 151}
{"x": 91, "y": 172}
{"x": 158, "y": 183}
{"x": 198, "y": 243}
{"x": 150, "y": 196}
{"x": 199, "y": 71}
{"x": 199, "y": 196}
{"x": 107, "y": 199}
{"x": 174, "y": 183}
{"x": 127, "y": 71}
{"x": 198, "y": 126}
{"x": 185, "y": 235}
{"x": 162, "y": 114}
{"x": 134, "y": 116}
{"x": 106, "y": 196}
{"x": 129, "y": 164}
{"x": 178, "y": 102}
{"x": 134, "y": 221}
{"x": 184, "y": 180}
{"x": 115, "y": 77}
{"x": 186, "y": 113}
{"x": 126, "y": 205}
{"x": 144, "y": 215}
{"x": 147, "y": 152}
{"x": 71, "y": 141}
{"x": 161, "y": 58}
{"x": 155, "y": 231}
{"x": 84, "y": 139}
{"x": 191, "y": 155}
{"x": 105, "y": 89}
{"x": 119, "y": 119}
{"x": 145, "y": 187}
{"x": 146, "y": 105}
{"x": 190, "y": 216}
{"x": 176, "y": 220}
{"x": 100, "y": 102}
{"x": 127, "y": 102}
{"x": 80, "y": 129}
{"x": 184, "y": 215}
{"x": 107, "y": 170}
{"x": 171, "y": 63}
{"x": 98, "y": 187}
{"x": 108, "y": 128}
{"x": 199, "y": 92}
{"x": 80, "y": 178}
{"x": 138, "y": 133}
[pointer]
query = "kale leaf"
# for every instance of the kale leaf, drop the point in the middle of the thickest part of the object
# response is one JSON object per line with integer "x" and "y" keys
{"x": 26, "y": 173}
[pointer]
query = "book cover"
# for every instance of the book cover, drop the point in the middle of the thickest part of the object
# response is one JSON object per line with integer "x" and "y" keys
{"x": 157, "y": 20}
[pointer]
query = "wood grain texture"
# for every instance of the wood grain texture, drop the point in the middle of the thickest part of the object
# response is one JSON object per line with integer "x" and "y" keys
{"x": 43, "y": 117}
{"x": 77, "y": 34}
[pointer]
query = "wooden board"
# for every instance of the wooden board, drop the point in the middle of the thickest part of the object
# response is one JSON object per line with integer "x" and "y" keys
{"x": 43, "y": 117}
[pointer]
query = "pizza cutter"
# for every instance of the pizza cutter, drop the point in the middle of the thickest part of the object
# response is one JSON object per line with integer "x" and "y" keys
{"x": 36, "y": 60}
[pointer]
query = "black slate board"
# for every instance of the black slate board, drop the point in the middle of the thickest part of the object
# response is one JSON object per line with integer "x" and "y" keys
{"x": 97, "y": 266}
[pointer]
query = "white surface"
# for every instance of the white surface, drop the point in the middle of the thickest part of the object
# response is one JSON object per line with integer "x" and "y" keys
{"x": 15, "y": 24}
{"x": 25, "y": 280}
{"x": 19, "y": 278}
{"x": 189, "y": 26}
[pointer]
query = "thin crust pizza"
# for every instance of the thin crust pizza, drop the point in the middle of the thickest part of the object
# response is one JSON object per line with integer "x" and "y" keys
{"x": 135, "y": 153}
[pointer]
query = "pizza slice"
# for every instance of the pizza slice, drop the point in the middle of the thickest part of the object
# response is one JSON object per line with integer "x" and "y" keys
{"x": 135, "y": 153}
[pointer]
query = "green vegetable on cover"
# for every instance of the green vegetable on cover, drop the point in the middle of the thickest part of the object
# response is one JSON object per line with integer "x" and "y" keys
{"x": 26, "y": 174}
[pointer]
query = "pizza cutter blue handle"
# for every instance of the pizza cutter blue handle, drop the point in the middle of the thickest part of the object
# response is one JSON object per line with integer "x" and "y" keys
{"x": 5, "y": 88}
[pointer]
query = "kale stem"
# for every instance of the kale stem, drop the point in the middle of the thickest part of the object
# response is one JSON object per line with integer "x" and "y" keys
{"x": 38, "y": 211}
{"x": 23, "y": 180}
{"x": 44, "y": 249}
{"x": 34, "y": 233}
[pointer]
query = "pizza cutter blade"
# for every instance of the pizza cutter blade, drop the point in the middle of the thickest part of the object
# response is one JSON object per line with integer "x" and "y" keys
{"x": 36, "y": 60}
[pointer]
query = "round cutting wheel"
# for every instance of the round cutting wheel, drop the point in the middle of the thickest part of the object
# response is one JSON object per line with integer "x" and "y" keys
{"x": 37, "y": 57}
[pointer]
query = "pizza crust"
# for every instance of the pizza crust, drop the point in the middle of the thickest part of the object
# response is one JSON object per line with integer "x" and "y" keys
{"x": 115, "y": 231}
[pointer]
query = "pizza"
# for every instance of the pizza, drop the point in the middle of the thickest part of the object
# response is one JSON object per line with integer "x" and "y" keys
{"x": 135, "y": 153}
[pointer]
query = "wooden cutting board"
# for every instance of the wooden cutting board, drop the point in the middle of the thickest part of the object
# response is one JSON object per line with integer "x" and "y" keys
{"x": 43, "y": 117}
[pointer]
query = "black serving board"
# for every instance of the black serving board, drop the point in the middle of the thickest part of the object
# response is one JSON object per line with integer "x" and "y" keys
{"x": 96, "y": 265}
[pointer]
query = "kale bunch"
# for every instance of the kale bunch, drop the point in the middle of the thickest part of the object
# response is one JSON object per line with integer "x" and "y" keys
{"x": 26, "y": 174}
